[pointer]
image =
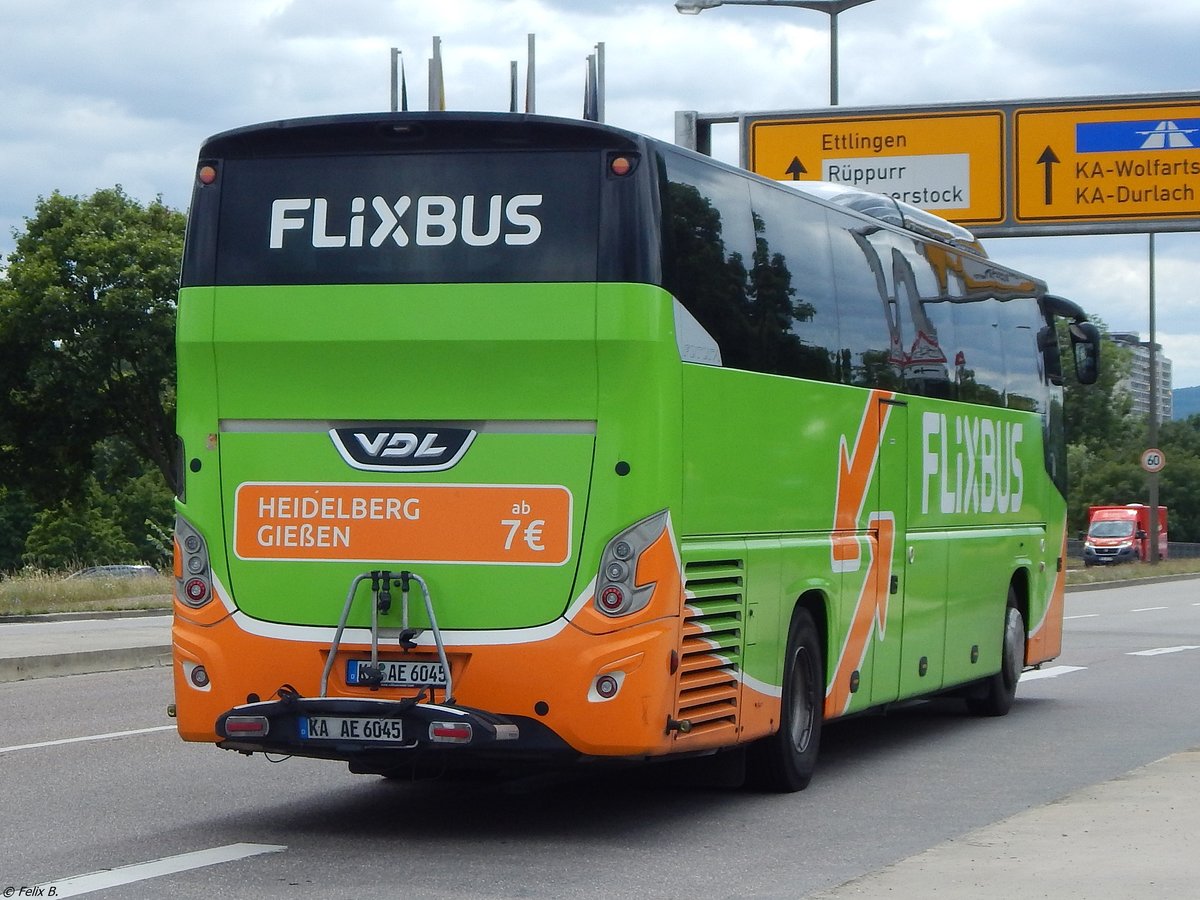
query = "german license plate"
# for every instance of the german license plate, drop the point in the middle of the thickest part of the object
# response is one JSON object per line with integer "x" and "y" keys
{"x": 350, "y": 728}
{"x": 399, "y": 673}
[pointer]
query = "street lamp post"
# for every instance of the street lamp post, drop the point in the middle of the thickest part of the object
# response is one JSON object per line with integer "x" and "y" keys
{"x": 829, "y": 7}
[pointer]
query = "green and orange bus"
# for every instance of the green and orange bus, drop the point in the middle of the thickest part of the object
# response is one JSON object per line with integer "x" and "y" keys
{"x": 513, "y": 441}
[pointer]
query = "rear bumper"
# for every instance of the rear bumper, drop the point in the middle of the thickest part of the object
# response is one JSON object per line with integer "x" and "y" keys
{"x": 543, "y": 682}
{"x": 385, "y": 735}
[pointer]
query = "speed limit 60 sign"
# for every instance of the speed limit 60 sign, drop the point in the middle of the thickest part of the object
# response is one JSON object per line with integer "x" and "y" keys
{"x": 1153, "y": 460}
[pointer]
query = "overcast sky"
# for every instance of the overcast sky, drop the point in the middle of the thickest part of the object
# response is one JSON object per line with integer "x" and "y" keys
{"x": 94, "y": 94}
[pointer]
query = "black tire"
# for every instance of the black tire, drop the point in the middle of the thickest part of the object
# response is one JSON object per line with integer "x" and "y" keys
{"x": 784, "y": 762}
{"x": 997, "y": 694}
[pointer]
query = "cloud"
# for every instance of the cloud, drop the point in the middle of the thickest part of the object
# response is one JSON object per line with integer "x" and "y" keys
{"x": 125, "y": 91}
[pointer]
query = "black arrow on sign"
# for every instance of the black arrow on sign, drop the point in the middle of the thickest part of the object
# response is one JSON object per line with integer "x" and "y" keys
{"x": 1049, "y": 159}
{"x": 796, "y": 169}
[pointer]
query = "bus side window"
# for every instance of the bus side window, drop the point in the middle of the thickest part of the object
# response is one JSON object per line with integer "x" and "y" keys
{"x": 979, "y": 357}
{"x": 1020, "y": 324}
{"x": 926, "y": 367}
{"x": 709, "y": 246}
{"x": 866, "y": 328}
{"x": 792, "y": 304}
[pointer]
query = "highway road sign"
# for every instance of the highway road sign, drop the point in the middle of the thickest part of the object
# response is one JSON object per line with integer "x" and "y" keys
{"x": 1099, "y": 161}
{"x": 1081, "y": 165}
{"x": 949, "y": 162}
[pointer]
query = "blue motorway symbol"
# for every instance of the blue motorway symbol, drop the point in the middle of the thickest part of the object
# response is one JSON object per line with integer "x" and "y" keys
{"x": 1154, "y": 134}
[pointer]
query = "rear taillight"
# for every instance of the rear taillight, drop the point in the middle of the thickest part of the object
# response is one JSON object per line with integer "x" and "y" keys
{"x": 247, "y": 726}
{"x": 450, "y": 732}
{"x": 193, "y": 575}
{"x": 618, "y": 592}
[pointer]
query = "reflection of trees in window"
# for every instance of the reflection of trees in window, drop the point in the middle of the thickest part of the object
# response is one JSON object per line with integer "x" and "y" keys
{"x": 877, "y": 369}
{"x": 750, "y": 313}
{"x": 780, "y": 348}
{"x": 1021, "y": 402}
{"x": 790, "y": 288}
{"x": 711, "y": 286}
{"x": 769, "y": 310}
{"x": 971, "y": 390}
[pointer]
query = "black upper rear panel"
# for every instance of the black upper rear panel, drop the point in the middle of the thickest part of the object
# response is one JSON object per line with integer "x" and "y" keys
{"x": 421, "y": 199}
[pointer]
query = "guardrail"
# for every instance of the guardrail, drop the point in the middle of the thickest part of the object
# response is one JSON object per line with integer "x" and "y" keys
{"x": 1175, "y": 550}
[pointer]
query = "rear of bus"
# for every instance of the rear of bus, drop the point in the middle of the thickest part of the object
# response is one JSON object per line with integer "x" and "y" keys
{"x": 429, "y": 416}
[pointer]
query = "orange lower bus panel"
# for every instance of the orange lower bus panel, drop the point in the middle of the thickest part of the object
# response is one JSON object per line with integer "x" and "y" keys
{"x": 1045, "y": 637}
{"x": 551, "y": 680}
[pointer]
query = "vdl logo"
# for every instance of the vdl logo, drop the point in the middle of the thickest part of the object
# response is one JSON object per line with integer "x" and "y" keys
{"x": 401, "y": 447}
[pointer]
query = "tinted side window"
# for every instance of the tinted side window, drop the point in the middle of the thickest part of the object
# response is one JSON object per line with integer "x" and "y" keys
{"x": 709, "y": 248}
{"x": 1021, "y": 322}
{"x": 790, "y": 287}
{"x": 978, "y": 353}
{"x": 869, "y": 352}
{"x": 792, "y": 301}
{"x": 919, "y": 294}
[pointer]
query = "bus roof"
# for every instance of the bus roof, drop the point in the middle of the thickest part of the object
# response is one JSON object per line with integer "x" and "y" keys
{"x": 380, "y": 132}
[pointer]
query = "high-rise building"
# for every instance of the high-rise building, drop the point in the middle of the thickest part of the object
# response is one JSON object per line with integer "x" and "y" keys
{"x": 1137, "y": 383}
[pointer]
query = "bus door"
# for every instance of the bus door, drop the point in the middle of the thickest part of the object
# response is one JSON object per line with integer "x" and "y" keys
{"x": 890, "y": 526}
{"x": 872, "y": 483}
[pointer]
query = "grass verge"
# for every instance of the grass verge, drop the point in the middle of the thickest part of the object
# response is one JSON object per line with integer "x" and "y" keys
{"x": 39, "y": 593}
{"x": 42, "y": 593}
{"x": 1131, "y": 571}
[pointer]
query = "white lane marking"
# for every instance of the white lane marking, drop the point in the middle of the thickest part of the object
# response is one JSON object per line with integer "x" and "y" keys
{"x": 168, "y": 865}
{"x": 1148, "y": 609}
{"x": 1084, "y": 616}
{"x": 1159, "y": 651}
{"x": 89, "y": 737}
{"x": 1052, "y": 672}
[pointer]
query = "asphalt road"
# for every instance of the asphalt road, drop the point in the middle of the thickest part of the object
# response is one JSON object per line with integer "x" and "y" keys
{"x": 888, "y": 787}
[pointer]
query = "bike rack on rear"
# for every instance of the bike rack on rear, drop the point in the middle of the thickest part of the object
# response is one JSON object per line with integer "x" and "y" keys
{"x": 382, "y": 582}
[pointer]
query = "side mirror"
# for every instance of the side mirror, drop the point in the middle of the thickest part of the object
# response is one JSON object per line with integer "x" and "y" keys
{"x": 1085, "y": 346}
{"x": 1141, "y": 535}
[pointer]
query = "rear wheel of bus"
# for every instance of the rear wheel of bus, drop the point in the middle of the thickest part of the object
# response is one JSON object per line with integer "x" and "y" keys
{"x": 998, "y": 692}
{"x": 785, "y": 761}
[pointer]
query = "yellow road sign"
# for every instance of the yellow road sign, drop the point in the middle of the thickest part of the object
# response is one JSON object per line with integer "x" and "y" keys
{"x": 1107, "y": 162}
{"x": 950, "y": 163}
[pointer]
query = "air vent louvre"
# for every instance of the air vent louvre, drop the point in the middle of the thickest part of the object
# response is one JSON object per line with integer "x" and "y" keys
{"x": 710, "y": 659}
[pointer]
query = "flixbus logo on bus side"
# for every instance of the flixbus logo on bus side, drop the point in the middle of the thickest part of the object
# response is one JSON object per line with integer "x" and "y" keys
{"x": 971, "y": 464}
{"x": 407, "y": 448}
{"x": 427, "y": 221}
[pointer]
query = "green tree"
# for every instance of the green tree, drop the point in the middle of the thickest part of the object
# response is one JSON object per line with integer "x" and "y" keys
{"x": 134, "y": 497}
{"x": 1100, "y": 432}
{"x": 16, "y": 518}
{"x": 1097, "y": 415}
{"x": 1106, "y": 443}
{"x": 123, "y": 493}
{"x": 87, "y": 318}
{"x": 1179, "y": 482}
{"x": 73, "y": 534}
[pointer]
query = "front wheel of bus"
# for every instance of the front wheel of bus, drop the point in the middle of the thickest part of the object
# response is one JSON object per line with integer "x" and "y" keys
{"x": 999, "y": 691}
{"x": 784, "y": 762}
